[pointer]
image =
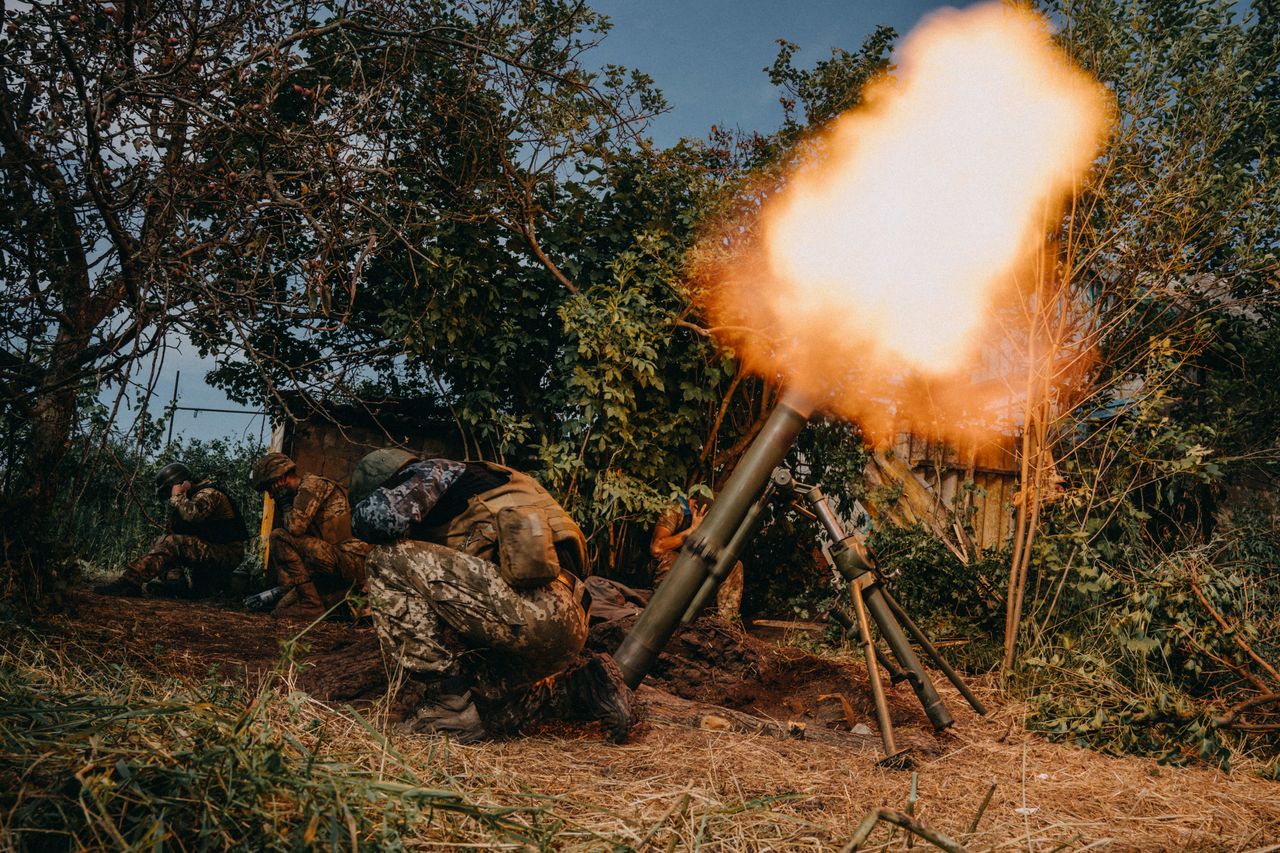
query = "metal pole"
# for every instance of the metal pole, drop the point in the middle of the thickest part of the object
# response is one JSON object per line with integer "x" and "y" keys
{"x": 873, "y": 672}
{"x": 923, "y": 641}
{"x": 703, "y": 547}
{"x": 838, "y": 616}
{"x": 852, "y": 561}
{"x": 173, "y": 408}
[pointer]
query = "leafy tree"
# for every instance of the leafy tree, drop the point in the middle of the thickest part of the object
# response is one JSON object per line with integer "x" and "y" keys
{"x": 1157, "y": 408}
{"x": 175, "y": 169}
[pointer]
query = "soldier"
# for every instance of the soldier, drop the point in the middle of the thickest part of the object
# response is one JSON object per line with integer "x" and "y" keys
{"x": 674, "y": 525}
{"x": 475, "y": 582}
{"x": 204, "y": 535}
{"x": 313, "y": 550}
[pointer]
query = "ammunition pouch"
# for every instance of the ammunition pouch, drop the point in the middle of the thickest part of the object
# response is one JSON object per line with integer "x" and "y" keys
{"x": 526, "y": 550}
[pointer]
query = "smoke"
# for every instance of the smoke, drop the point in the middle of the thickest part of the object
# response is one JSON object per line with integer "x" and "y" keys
{"x": 882, "y": 274}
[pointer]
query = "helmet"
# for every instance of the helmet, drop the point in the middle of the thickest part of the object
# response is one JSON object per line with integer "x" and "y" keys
{"x": 374, "y": 470}
{"x": 170, "y": 476}
{"x": 270, "y": 467}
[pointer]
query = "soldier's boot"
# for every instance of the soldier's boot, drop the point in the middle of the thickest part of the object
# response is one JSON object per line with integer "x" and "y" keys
{"x": 171, "y": 584}
{"x": 590, "y": 691}
{"x": 120, "y": 586}
{"x": 303, "y": 601}
{"x": 448, "y": 709}
{"x": 597, "y": 691}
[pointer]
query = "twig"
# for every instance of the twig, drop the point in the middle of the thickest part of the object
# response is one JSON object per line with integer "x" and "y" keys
{"x": 1235, "y": 711}
{"x": 982, "y": 809}
{"x": 937, "y": 839}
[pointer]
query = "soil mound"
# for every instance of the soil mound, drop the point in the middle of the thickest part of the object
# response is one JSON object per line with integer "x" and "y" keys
{"x": 708, "y": 663}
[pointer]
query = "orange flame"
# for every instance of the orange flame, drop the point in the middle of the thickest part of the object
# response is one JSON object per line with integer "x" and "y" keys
{"x": 893, "y": 244}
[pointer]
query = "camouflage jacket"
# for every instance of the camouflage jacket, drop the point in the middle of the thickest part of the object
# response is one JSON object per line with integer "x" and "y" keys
{"x": 206, "y": 512}
{"x": 405, "y": 500}
{"x": 319, "y": 509}
{"x": 672, "y": 521}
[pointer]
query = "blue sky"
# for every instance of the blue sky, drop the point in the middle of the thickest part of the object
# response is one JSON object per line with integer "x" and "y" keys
{"x": 707, "y": 57}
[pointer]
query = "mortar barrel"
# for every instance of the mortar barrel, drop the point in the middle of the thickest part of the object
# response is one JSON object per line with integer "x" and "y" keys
{"x": 703, "y": 547}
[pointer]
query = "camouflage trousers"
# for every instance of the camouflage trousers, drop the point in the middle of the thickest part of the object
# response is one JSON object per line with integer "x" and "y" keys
{"x": 441, "y": 612}
{"x": 210, "y": 564}
{"x": 302, "y": 559}
{"x": 728, "y": 596}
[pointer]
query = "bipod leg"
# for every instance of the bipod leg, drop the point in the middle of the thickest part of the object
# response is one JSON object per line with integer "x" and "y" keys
{"x": 838, "y": 616}
{"x": 893, "y": 757}
{"x": 939, "y": 661}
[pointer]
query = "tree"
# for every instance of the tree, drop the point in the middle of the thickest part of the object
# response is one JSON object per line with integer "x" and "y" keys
{"x": 173, "y": 168}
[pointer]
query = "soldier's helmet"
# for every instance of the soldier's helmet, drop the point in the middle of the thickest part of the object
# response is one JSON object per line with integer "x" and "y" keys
{"x": 270, "y": 467}
{"x": 375, "y": 469}
{"x": 170, "y": 476}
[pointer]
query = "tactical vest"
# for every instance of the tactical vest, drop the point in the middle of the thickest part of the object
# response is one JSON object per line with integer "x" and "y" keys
{"x": 219, "y": 530}
{"x": 475, "y": 530}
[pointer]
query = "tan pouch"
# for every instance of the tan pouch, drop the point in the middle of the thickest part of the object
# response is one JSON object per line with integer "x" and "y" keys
{"x": 526, "y": 551}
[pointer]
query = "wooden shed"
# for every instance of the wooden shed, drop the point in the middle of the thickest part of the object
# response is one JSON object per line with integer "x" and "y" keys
{"x": 920, "y": 480}
{"x": 330, "y": 445}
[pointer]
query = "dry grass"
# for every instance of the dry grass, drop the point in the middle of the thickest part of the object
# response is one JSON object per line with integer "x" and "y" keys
{"x": 672, "y": 787}
{"x": 682, "y": 788}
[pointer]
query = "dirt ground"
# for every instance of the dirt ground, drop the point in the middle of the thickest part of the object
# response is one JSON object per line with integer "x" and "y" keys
{"x": 720, "y": 713}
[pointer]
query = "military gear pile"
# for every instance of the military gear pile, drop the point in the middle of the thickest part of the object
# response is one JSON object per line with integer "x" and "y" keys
{"x": 271, "y": 467}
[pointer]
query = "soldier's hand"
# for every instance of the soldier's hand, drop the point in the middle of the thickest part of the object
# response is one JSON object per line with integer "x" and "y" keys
{"x": 179, "y": 489}
{"x": 697, "y": 511}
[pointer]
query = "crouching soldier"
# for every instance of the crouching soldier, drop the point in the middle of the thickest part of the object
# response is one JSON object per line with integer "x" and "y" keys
{"x": 205, "y": 537}
{"x": 313, "y": 551}
{"x": 475, "y": 583}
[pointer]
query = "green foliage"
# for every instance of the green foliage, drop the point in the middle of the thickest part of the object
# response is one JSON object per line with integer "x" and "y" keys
{"x": 1141, "y": 663}
{"x": 1153, "y": 587}
{"x": 113, "y": 512}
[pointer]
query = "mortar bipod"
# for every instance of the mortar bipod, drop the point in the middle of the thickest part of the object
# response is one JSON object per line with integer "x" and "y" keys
{"x": 857, "y": 566}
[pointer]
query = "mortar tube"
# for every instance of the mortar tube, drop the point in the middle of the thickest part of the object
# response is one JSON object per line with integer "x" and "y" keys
{"x": 729, "y": 556}
{"x": 702, "y": 548}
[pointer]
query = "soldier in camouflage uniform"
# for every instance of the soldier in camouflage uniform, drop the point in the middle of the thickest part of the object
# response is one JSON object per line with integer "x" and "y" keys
{"x": 204, "y": 536}
{"x": 673, "y": 527}
{"x": 498, "y": 650}
{"x": 313, "y": 550}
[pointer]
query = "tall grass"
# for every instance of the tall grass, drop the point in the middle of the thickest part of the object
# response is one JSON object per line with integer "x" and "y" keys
{"x": 96, "y": 754}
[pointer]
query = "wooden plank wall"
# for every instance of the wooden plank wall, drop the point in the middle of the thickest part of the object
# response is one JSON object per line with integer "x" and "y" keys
{"x": 943, "y": 469}
{"x": 320, "y": 447}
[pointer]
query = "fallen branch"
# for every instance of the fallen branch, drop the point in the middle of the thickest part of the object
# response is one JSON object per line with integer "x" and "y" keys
{"x": 1235, "y": 711}
{"x": 1235, "y": 635}
{"x": 937, "y": 839}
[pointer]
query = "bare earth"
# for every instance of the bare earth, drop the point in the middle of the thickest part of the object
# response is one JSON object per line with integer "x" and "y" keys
{"x": 713, "y": 758}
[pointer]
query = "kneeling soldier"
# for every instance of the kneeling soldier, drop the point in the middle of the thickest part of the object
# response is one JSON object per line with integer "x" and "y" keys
{"x": 313, "y": 551}
{"x": 475, "y": 582}
{"x": 204, "y": 535}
